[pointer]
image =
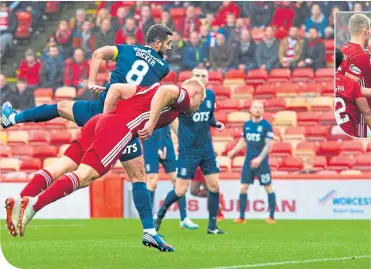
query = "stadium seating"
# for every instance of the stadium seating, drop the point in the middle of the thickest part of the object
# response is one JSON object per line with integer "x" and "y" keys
{"x": 317, "y": 133}
{"x": 329, "y": 149}
{"x": 281, "y": 149}
{"x": 275, "y": 104}
{"x": 243, "y": 92}
{"x": 305, "y": 148}
{"x": 298, "y": 104}
{"x": 265, "y": 91}
{"x": 237, "y": 119}
{"x": 302, "y": 75}
{"x": 65, "y": 93}
{"x": 9, "y": 165}
{"x": 237, "y": 163}
{"x": 228, "y": 105}
{"x": 17, "y": 137}
{"x": 352, "y": 148}
{"x": 30, "y": 165}
{"x": 339, "y": 163}
{"x": 291, "y": 164}
{"x": 362, "y": 162}
{"x": 285, "y": 118}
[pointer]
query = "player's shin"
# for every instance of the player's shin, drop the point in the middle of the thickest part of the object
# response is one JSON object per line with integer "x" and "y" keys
{"x": 37, "y": 114}
{"x": 213, "y": 206}
{"x": 170, "y": 199}
{"x": 41, "y": 180}
{"x": 182, "y": 204}
{"x": 272, "y": 204}
{"x": 243, "y": 204}
{"x": 142, "y": 202}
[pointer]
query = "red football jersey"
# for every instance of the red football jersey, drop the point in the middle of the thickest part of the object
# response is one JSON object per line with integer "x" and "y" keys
{"x": 357, "y": 63}
{"x": 137, "y": 108}
{"x": 346, "y": 110}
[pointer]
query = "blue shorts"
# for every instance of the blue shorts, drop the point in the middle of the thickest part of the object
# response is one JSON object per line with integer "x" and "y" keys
{"x": 263, "y": 173}
{"x": 83, "y": 111}
{"x": 189, "y": 160}
{"x": 152, "y": 160}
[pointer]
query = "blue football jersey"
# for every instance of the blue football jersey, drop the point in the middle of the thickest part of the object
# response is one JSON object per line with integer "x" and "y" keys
{"x": 194, "y": 130}
{"x": 137, "y": 65}
{"x": 255, "y": 134}
{"x": 158, "y": 138}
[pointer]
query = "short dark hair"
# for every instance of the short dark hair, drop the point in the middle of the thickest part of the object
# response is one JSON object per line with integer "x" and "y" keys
{"x": 339, "y": 58}
{"x": 157, "y": 32}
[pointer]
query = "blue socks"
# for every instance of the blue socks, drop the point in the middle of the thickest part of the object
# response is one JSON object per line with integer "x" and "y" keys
{"x": 142, "y": 201}
{"x": 37, "y": 114}
{"x": 182, "y": 204}
{"x": 171, "y": 198}
{"x": 212, "y": 206}
{"x": 243, "y": 204}
{"x": 272, "y": 204}
{"x": 152, "y": 196}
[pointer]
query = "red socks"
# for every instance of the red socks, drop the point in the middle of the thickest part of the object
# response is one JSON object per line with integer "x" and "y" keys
{"x": 63, "y": 186}
{"x": 40, "y": 182}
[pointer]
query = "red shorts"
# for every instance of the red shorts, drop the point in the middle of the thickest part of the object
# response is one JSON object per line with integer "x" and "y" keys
{"x": 349, "y": 128}
{"x": 101, "y": 142}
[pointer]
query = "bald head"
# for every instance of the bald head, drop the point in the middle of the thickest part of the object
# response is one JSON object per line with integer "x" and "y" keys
{"x": 196, "y": 92}
{"x": 257, "y": 109}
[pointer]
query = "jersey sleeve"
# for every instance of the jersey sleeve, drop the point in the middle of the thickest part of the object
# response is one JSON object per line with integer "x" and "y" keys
{"x": 120, "y": 50}
{"x": 182, "y": 103}
{"x": 269, "y": 131}
{"x": 357, "y": 91}
{"x": 212, "y": 116}
{"x": 359, "y": 67}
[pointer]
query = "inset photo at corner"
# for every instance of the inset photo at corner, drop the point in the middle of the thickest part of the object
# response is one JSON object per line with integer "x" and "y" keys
{"x": 353, "y": 73}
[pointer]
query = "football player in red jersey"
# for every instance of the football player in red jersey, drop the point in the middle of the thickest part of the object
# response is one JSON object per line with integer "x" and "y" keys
{"x": 102, "y": 141}
{"x": 356, "y": 64}
{"x": 350, "y": 102}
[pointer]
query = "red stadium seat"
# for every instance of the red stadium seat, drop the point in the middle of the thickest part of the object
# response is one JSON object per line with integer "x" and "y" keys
{"x": 51, "y": 7}
{"x": 44, "y": 93}
{"x": 281, "y": 149}
{"x": 243, "y": 92}
{"x": 264, "y": 92}
{"x": 307, "y": 118}
{"x": 57, "y": 123}
{"x": 170, "y": 78}
{"x": 30, "y": 165}
{"x": 221, "y": 116}
{"x": 228, "y": 105}
{"x": 319, "y": 163}
{"x": 215, "y": 76}
{"x": 274, "y": 163}
{"x": 22, "y": 151}
{"x": 302, "y": 75}
{"x": 44, "y": 151}
{"x": 305, "y": 148}
{"x": 283, "y": 73}
{"x": 317, "y": 133}
{"x": 5, "y": 151}
{"x": 294, "y": 133}
{"x": 362, "y": 162}
{"x": 339, "y": 163}
{"x": 298, "y": 104}
{"x": 22, "y": 32}
{"x": 324, "y": 74}
{"x": 221, "y": 92}
{"x": 309, "y": 89}
{"x": 228, "y": 134}
{"x": 231, "y": 145}
{"x": 353, "y": 147}
{"x": 184, "y": 75}
{"x": 329, "y": 149}
{"x": 329, "y": 46}
{"x": 276, "y": 131}
{"x": 60, "y": 137}
{"x": 177, "y": 13}
{"x": 327, "y": 88}
{"x": 256, "y": 77}
{"x": 291, "y": 164}
{"x": 234, "y": 74}
{"x": 327, "y": 118}
{"x": 237, "y": 163}
{"x": 38, "y": 137}
{"x": 275, "y": 104}
{"x": 32, "y": 126}
{"x": 286, "y": 89}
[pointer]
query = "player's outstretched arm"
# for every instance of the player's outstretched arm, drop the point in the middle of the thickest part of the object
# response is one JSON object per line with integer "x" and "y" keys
{"x": 164, "y": 96}
{"x": 103, "y": 53}
{"x": 239, "y": 146}
{"x": 117, "y": 92}
{"x": 365, "y": 110}
{"x": 366, "y": 91}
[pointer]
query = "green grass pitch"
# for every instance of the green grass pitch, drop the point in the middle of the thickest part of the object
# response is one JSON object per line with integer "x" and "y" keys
{"x": 111, "y": 244}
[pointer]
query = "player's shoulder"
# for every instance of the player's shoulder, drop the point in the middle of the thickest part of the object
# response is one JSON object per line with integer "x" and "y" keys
{"x": 210, "y": 94}
{"x": 248, "y": 123}
{"x": 266, "y": 123}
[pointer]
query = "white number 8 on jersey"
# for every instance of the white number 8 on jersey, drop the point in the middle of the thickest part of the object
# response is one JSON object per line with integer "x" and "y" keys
{"x": 137, "y": 72}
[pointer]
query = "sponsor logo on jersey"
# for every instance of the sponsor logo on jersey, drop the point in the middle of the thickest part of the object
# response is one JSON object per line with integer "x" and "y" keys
{"x": 181, "y": 96}
{"x": 260, "y": 129}
{"x": 208, "y": 104}
{"x": 355, "y": 69}
{"x": 183, "y": 172}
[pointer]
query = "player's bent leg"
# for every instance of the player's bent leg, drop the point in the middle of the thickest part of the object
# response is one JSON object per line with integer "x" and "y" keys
{"x": 152, "y": 180}
{"x": 271, "y": 203}
{"x": 243, "y": 203}
{"x": 65, "y": 109}
{"x": 212, "y": 181}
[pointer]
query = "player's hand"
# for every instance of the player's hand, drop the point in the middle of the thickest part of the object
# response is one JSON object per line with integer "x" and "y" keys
{"x": 147, "y": 130}
{"x": 255, "y": 162}
{"x": 230, "y": 154}
{"x": 162, "y": 153}
{"x": 220, "y": 126}
{"x": 95, "y": 88}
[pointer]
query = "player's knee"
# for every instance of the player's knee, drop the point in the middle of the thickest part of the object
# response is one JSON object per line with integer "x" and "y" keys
{"x": 181, "y": 187}
{"x": 63, "y": 107}
{"x": 152, "y": 181}
{"x": 244, "y": 188}
{"x": 269, "y": 188}
{"x": 86, "y": 175}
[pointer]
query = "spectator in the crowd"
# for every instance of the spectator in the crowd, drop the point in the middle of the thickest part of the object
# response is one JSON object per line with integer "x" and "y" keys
{"x": 193, "y": 52}
{"x": 221, "y": 56}
{"x": 215, "y": 29}
{"x": 175, "y": 56}
{"x": 245, "y": 53}
{"x": 175, "y": 4}
{"x": 119, "y": 21}
{"x": 146, "y": 20}
{"x": 313, "y": 55}
{"x": 326, "y": 6}
{"x": 235, "y": 34}
{"x": 317, "y": 20}
{"x": 331, "y": 19}
{"x": 77, "y": 22}
{"x": 210, "y": 7}
{"x": 167, "y": 20}
{"x": 245, "y": 8}
{"x": 329, "y": 33}
{"x": 131, "y": 40}
{"x": 302, "y": 12}
{"x": 210, "y": 17}
{"x": 105, "y": 36}
{"x": 228, "y": 7}
{"x": 191, "y": 22}
{"x": 307, "y": 166}
{"x": 36, "y": 8}
{"x": 21, "y": 96}
{"x": 76, "y": 70}
{"x": 261, "y": 13}
{"x": 129, "y": 28}
{"x": 283, "y": 16}
{"x": 290, "y": 49}
{"x": 230, "y": 24}
{"x": 83, "y": 93}
{"x": 63, "y": 36}
{"x": 85, "y": 40}
{"x": 5, "y": 89}
{"x": 52, "y": 43}
{"x": 102, "y": 15}
{"x": 7, "y": 29}
{"x": 51, "y": 73}
{"x": 136, "y": 10}
{"x": 357, "y": 7}
{"x": 29, "y": 70}
{"x": 267, "y": 51}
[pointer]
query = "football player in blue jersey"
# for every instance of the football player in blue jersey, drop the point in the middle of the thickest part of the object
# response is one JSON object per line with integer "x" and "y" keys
{"x": 158, "y": 149}
{"x": 196, "y": 149}
{"x": 140, "y": 65}
{"x": 258, "y": 136}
